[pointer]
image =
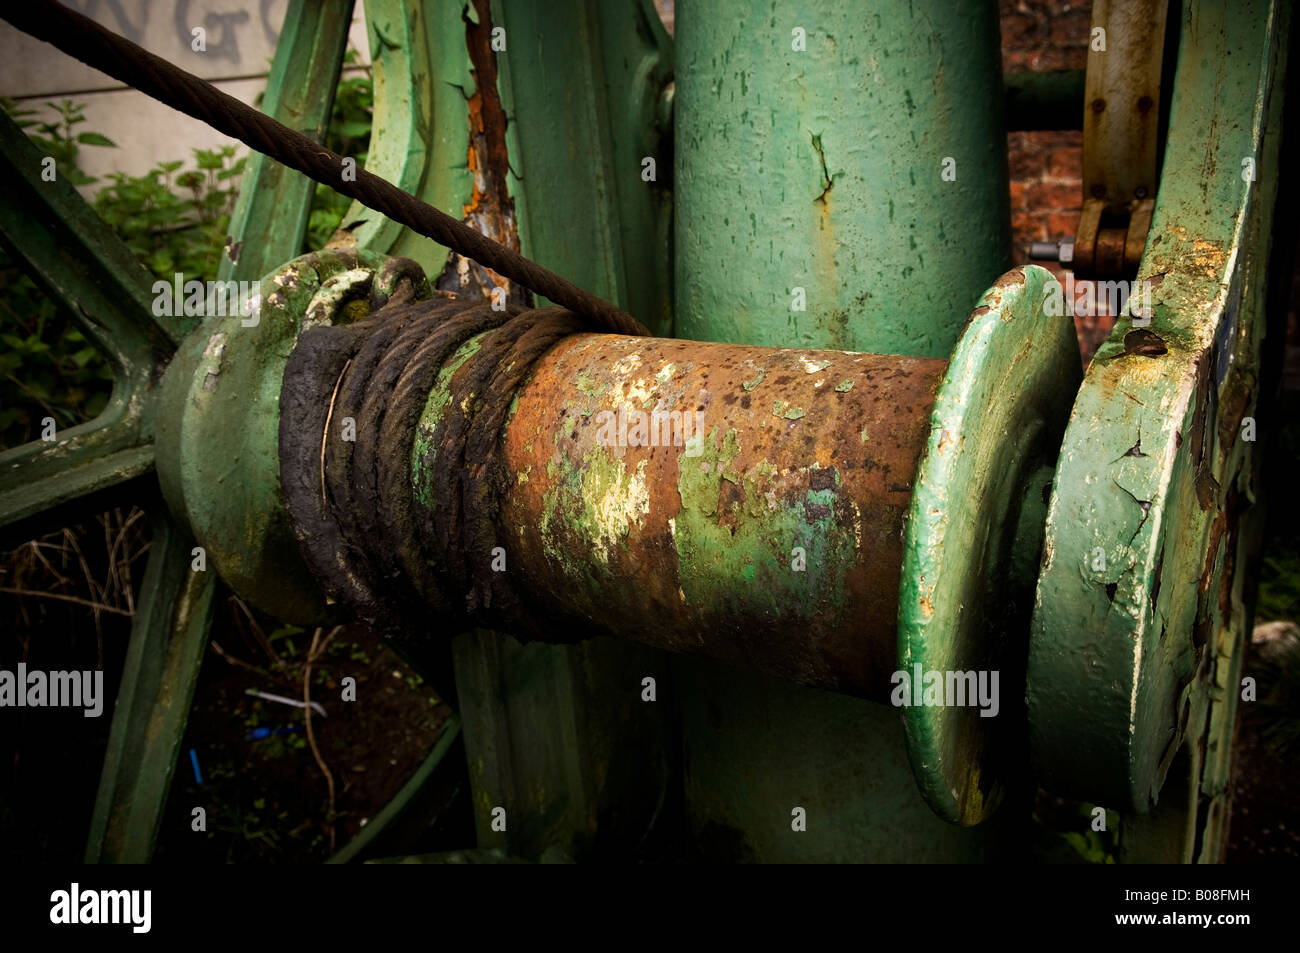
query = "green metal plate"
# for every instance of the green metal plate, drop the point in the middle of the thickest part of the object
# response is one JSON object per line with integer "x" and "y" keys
{"x": 1139, "y": 623}
{"x": 972, "y": 539}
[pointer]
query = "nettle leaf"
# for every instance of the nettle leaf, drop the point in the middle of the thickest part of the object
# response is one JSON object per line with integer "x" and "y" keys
{"x": 206, "y": 159}
{"x": 95, "y": 139}
{"x": 84, "y": 356}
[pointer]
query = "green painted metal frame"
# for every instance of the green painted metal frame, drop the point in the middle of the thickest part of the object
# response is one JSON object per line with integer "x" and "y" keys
{"x": 169, "y": 635}
{"x": 86, "y": 268}
{"x": 578, "y": 136}
{"x": 419, "y": 137}
{"x": 1140, "y": 620}
{"x": 270, "y": 215}
{"x": 99, "y": 284}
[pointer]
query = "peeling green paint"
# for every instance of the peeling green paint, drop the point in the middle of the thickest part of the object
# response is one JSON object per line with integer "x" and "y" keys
{"x": 598, "y": 502}
{"x": 586, "y": 384}
{"x": 752, "y": 538}
{"x": 423, "y": 450}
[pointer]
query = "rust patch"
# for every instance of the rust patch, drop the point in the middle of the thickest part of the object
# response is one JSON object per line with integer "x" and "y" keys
{"x": 491, "y": 209}
{"x": 1011, "y": 279}
{"x": 1144, "y": 343}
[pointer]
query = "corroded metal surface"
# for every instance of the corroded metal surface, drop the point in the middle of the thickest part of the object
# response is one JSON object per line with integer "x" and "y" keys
{"x": 1121, "y": 136}
{"x": 1122, "y": 102}
{"x": 764, "y": 530}
{"x": 1137, "y": 632}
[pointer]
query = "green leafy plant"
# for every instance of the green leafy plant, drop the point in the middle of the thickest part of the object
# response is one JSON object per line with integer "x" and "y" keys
{"x": 173, "y": 218}
{"x": 57, "y": 139}
{"x": 47, "y": 367}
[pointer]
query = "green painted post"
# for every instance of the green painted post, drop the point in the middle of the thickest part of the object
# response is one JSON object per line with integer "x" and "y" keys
{"x": 274, "y": 200}
{"x": 816, "y": 208}
{"x": 841, "y": 177}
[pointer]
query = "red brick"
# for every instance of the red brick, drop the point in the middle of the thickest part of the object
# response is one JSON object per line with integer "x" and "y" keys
{"x": 1018, "y": 33}
{"x": 1060, "y": 224}
{"x": 1023, "y": 158}
{"x": 1026, "y": 227}
{"x": 1065, "y": 163}
{"x": 1053, "y": 196}
{"x": 1071, "y": 29}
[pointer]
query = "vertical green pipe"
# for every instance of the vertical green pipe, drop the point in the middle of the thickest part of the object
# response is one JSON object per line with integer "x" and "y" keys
{"x": 822, "y": 169}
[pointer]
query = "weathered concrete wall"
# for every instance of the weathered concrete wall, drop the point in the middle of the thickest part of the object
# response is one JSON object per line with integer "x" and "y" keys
{"x": 240, "y": 36}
